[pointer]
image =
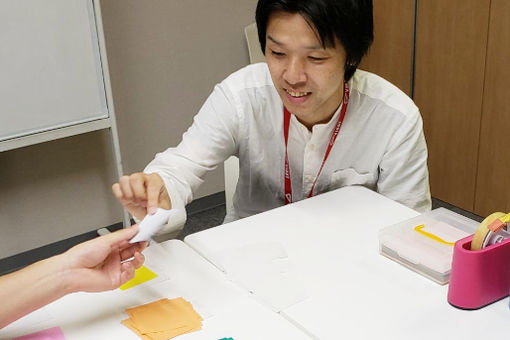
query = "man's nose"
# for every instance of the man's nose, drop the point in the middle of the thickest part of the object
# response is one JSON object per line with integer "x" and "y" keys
{"x": 295, "y": 73}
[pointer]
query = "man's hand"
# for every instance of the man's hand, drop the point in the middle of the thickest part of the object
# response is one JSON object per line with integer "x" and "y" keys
{"x": 142, "y": 193}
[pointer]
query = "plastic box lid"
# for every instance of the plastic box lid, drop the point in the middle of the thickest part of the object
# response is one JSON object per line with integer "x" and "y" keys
{"x": 425, "y": 243}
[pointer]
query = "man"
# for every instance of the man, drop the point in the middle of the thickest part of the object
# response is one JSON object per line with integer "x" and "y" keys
{"x": 92, "y": 266}
{"x": 304, "y": 123}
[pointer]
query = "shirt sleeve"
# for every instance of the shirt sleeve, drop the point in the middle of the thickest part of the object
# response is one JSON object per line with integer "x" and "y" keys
{"x": 210, "y": 140}
{"x": 403, "y": 172}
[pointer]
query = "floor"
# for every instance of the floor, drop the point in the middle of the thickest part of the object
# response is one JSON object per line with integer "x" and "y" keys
{"x": 438, "y": 203}
{"x": 203, "y": 220}
{"x": 199, "y": 218}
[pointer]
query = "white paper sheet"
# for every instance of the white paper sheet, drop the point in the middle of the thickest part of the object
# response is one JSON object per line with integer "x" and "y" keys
{"x": 266, "y": 271}
{"x": 151, "y": 224}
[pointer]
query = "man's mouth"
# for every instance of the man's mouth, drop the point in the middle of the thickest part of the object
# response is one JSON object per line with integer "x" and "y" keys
{"x": 297, "y": 94}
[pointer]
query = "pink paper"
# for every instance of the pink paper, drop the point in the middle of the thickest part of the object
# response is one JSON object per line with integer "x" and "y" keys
{"x": 54, "y": 333}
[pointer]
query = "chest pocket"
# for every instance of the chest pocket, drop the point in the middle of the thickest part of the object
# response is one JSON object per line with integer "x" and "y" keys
{"x": 349, "y": 176}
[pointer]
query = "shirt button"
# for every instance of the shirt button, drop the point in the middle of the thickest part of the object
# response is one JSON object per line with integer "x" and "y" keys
{"x": 311, "y": 147}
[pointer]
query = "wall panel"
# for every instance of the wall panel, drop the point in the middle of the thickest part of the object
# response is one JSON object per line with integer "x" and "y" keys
{"x": 449, "y": 73}
{"x": 390, "y": 56}
{"x": 493, "y": 178}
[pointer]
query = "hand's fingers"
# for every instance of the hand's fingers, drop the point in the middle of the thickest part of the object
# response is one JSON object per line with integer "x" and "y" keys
{"x": 137, "y": 182}
{"x": 124, "y": 193}
{"x": 138, "y": 260}
{"x": 137, "y": 210}
{"x": 117, "y": 192}
{"x": 127, "y": 269}
{"x": 129, "y": 251}
{"x": 127, "y": 272}
{"x": 142, "y": 245}
{"x": 154, "y": 185}
{"x": 125, "y": 187}
{"x": 119, "y": 236}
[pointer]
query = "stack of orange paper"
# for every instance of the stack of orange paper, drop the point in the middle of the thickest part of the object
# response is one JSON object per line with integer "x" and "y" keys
{"x": 163, "y": 319}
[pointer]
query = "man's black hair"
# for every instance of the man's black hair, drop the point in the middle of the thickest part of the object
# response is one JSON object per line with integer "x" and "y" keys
{"x": 350, "y": 21}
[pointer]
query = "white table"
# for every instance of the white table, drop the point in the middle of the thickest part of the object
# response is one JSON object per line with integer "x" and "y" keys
{"x": 352, "y": 291}
{"x": 227, "y": 310}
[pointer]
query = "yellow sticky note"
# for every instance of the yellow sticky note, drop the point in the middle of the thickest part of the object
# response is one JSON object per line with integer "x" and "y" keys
{"x": 142, "y": 274}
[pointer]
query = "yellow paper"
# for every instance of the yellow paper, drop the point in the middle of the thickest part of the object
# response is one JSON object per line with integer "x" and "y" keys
{"x": 142, "y": 274}
{"x": 162, "y": 315}
{"x": 172, "y": 333}
{"x": 129, "y": 324}
{"x": 163, "y": 319}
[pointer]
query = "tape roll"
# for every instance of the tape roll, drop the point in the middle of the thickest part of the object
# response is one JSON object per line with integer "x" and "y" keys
{"x": 483, "y": 230}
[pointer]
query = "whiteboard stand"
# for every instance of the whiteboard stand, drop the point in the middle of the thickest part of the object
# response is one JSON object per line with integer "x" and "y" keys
{"x": 88, "y": 20}
{"x": 109, "y": 98}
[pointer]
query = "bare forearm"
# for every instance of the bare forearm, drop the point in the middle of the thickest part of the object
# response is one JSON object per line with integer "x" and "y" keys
{"x": 92, "y": 266}
{"x": 26, "y": 290}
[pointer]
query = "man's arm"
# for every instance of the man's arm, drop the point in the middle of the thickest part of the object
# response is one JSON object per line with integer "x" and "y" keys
{"x": 209, "y": 141}
{"x": 170, "y": 180}
{"x": 403, "y": 172}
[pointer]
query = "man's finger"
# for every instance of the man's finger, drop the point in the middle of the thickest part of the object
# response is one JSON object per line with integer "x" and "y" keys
{"x": 117, "y": 192}
{"x": 137, "y": 182}
{"x": 125, "y": 187}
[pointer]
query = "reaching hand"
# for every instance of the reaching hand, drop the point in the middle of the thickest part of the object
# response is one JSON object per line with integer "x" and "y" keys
{"x": 91, "y": 266}
{"x": 142, "y": 193}
{"x": 96, "y": 265}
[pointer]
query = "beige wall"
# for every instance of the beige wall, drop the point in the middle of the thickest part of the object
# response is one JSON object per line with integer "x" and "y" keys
{"x": 165, "y": 57}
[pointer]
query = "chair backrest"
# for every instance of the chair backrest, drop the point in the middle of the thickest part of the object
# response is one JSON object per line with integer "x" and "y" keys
{"x": 231, "y": 165}
{"x": 252, "y": 39}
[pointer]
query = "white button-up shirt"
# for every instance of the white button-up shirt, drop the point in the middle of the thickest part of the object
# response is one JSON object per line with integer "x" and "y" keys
{"x": 380, "y": 146}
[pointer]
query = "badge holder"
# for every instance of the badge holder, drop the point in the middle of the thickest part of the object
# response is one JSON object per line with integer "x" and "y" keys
{"x": 481, "y": 265}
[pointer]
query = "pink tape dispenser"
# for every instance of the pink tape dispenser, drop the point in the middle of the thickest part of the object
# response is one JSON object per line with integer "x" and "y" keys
{"x": 481, "y": 265}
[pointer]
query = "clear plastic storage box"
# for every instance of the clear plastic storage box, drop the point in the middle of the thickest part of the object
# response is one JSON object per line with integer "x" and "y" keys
{"x": 425, "y": 243}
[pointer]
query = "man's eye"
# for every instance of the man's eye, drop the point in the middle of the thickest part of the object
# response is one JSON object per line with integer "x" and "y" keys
{"x": 316, "y": 58}
{"x": 278, "y": 54}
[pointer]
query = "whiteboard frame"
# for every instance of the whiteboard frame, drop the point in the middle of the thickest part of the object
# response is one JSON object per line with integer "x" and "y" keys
{"x": 84, "y": 127}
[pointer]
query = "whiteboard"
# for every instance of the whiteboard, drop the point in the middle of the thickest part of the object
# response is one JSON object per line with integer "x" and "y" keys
{"x": 50, "y": 66}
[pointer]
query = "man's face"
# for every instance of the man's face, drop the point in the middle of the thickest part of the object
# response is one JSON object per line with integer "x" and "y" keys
{"x": 308, "y": 77}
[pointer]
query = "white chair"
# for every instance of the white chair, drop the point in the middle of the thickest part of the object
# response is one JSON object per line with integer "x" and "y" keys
{"x": 231, "y": 165}
{"x": 252, "y": 39}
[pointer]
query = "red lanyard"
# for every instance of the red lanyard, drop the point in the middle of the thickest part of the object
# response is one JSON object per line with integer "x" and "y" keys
{"x": 286, "y": 124}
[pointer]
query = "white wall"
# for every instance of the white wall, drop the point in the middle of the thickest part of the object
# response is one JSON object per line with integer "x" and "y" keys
{"x": 165, "y": 58}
